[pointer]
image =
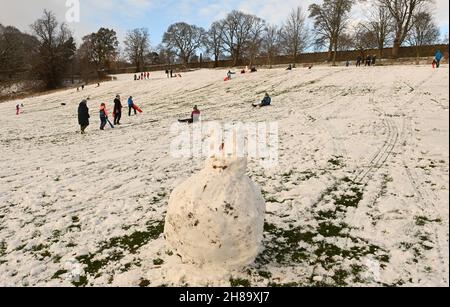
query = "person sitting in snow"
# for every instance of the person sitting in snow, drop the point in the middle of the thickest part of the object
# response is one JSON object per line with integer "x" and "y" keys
{"x": 289, "y": 67}
{"x": 265, "y": 102}
{"x": 83, "y": 115}
{"x": 195, "y": 117}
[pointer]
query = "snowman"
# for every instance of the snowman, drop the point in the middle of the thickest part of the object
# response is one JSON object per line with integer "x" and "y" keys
{"x": 216, "y": 217}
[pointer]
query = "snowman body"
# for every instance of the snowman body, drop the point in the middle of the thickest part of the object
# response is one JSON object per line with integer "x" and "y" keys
{"x": 216, "y": 217}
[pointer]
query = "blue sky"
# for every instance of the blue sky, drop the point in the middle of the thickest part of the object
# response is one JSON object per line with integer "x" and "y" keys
{"x": 156, "y": 15}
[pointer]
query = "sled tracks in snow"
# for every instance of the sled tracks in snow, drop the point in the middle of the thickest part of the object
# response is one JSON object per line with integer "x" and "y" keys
{"x": 426, "y": 201}
{"x": 382, "y": 155}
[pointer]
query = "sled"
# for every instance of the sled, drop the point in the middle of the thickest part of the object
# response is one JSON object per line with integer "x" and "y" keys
{"x": 137, "y": 109}
{"x": 112, "y": 126}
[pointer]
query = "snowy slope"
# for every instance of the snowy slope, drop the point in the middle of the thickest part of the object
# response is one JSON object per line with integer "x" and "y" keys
{"x": 360, "y": 196}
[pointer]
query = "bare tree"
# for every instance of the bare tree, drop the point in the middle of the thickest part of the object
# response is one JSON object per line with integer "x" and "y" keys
{"x": 185, "y": 39}
{"x": 445, "y": 39}
{"x": 424, "y": 32}
{"x": 380, "y": 24}
{"x": 237, "y": 28}
{"x": 364, "y": 38}
{"x": 295, "y": 34}
{"x": 330, "y": 21}
{"x": 402, "y": 12}
{"x": 166, "y": 56}
{"x": 252, "y": 46}
{"x": 137, "y": 46}
{"x": 56, "y": 49}
{"x": 348, "y": 41}
{"x": 213, "y": 42}
{"x": 271, "y": 43}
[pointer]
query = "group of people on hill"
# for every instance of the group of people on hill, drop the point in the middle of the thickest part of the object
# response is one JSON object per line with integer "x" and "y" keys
{"x": 250, "y": 70}
{"x": 195, "y": 115}
{"x": 370, "y": 60}
{"x": 171, "y": 74}
{"x": 84, "y": 116}
{"x": 143, "y": 76}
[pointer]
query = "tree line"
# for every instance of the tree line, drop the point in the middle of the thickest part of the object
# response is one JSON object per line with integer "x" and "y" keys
{"x": 50, "y": 52}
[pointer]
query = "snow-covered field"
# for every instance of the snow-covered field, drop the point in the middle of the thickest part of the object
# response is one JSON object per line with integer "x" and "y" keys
{"x": 359, "y": 198}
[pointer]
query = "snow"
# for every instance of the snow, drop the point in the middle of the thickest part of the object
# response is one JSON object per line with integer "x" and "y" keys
{"x": 359, "y": 197}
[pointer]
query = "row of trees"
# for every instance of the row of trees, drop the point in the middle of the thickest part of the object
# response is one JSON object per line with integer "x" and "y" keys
{"x": 240, "y": 35}
{"x": 50, "y": 52}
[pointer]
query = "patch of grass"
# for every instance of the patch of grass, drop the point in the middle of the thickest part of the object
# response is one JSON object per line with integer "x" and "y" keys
{"x": 240, "y": 283}
{"x": 300, "y": 245}
{"x": 59, "y": 273}
{"x": 336, "y": 161}
{"x": 265, "y": 274}
{"x": 287, "y": 285}
{"x": 169, "y": 253}
{"x": 82, "y": 282}
{"x": 3, "y": 248}
{"x": 158, "y": 261}
{"x": 129, "y": 243}
{"x": 306, "y": 175}
{"x": 423, "y": 220}
{"x": 56, "y": 258}
{"x": 328, "y": 229}
{"x": 144, "y": 283}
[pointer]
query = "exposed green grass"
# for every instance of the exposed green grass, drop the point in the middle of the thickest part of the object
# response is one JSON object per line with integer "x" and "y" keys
{"x": 240, "y": 283}
{"x": 158, "y": 261}
{"x": 303, "y": 246}
{"x": 423, "y": 220}
{"x": 121, "y": 245}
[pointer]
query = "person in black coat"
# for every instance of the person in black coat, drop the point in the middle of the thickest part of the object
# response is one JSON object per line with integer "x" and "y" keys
{"x": 117, "y": 110}
{"x": 83, "y": 116}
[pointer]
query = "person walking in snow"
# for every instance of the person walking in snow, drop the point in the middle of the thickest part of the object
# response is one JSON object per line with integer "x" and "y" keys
{"x": 83, "y": 116}
{"x": 358, "y": 61}
{"x": 117, "y": 110}
{"x": 438, "y": 57}
{"x": 17, "y": 109}
{"x": 103, "y": 116}
{"x": 131, "y": 106}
